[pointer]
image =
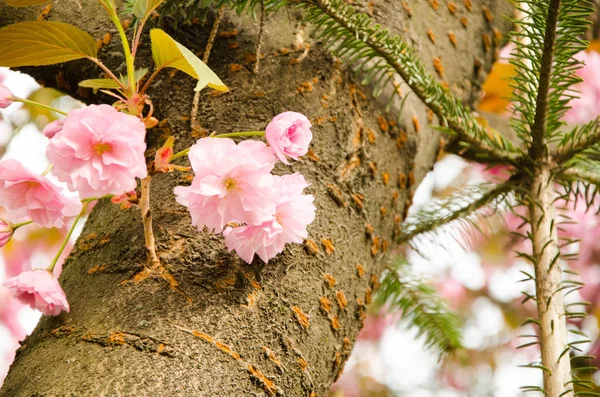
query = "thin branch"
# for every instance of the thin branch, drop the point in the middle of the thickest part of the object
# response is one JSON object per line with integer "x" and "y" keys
{"x": 581, "y": 175}
{"x": 209, "y": 44}
{"x": 260, "y": 34}
{"x": 538, "y": 130}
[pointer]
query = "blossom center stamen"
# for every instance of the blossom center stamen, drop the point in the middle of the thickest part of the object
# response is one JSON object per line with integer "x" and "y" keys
{"x": 230, "y": 184}
{"x": 101, "y": 148}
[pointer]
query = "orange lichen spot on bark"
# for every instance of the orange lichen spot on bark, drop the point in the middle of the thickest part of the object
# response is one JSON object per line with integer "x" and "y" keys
{"x": 439, "y": 67}
{"x": 371, "y": 137}
{"x": 360, "y": 270}
{"x": 402, "y": 179}
{"x": 126, "y": 23}
{"x": 374, "y": 282}
{"x": 383, "y": 124}
{"x": 335, "y": 323}
{"x": 407, "y": 8}
{"x": 311, "y": 247}
{"x": 251, "y": 300}
{"x": 373, "y": 168}
{"x": 328, "y": 245}
{"x": 117, "y": 338}
{"x": 325, "y": 305}
{"x": 235, "y": 67}
{"x": 431, "y": 35}
{"x": 385, "y": 177}
{"x": 336, "y": 194}
{"x": 203, "y": 336}
{"x": 352, "y": 164}
{"x": 270, "y": 354}
{"x": 342, "y": 302}
{"x": 497, "y": 37}
{"x": 259, "y": 94}
{"x": 301, "y": 317}
{"x": 306, "y": 86}
{"x": 416, "y": 123}
{"x": 161, "y": 348}
{"x": 302, "y": 363}
{"x": 465, "y": 22}
{"x": 487, "y": 42}
{"x": 375, "y": 246}
{"x": 383, "y": 211}
{"x": 452, "y": 7}
{"x": 395, "y": 197}
{"x": 45, "y": 12}
{"x": 233, "y": 45}
{"x": 360, "y": 307}
{"x": 435, "y": 4}
{"x": 227, "y": 350}
{"x": 106, "y": 38}
{"x": 358, "y": 199}
{"x": 452, "y": 38}
{"x": 368, "y": 296}
{"x": 97, "y": 269}
{"x": 468, "y": 5}
{"x": 487, "y": 14}
{"x": 337, "y": 359}
{"x": 398, "y": 88}
{"x": 369, "y": 230}
{"x": 320, "y": 120}
{"x": 329, "y": 280}
{"x": 267, "y": 384}
{"x": 402, "y": 138}
{"x": 312, "y": 155}
{"x": 411, "y": 178}
{"x": 64, "y": 330}
{"x": 228, "y": 33}
{"x": 346, "y": 345}
{"x": 430, "y": 116}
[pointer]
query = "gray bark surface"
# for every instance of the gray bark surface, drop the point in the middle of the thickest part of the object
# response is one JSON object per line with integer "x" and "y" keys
{"x": 207, "y": 324}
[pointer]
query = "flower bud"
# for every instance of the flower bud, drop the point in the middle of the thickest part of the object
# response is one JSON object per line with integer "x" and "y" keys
{"x": 6, "y": 97}
{"x": 6, "y": 232}
{"x": 289, "y": 134}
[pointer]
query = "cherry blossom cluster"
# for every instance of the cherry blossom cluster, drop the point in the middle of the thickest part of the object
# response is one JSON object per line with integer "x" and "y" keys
{"x": 234, "y": 192}
{"x": 98, "y": 151}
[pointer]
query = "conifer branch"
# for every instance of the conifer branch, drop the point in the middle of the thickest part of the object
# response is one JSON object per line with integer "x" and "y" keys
{"x": 460, "y": 206}
{"x": 421, "y": 306}
{"x": 343, "y": 27}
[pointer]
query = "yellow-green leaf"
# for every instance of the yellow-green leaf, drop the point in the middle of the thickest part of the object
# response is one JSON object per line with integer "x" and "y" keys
{"x": 98, "y": 84}
{"x": 138, "y": 75}
{"x": 43, "y": 43}
{"x": 168, "y": 53}
{"x": 25, "y": 3}
{"x": 143, "y": 8}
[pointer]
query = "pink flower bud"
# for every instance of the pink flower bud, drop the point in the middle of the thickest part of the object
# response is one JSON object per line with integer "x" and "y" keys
{"x": 52, "y": 128}
{"x": 6, "y": 232}
{"x": 163, "y": 157}
{"x": 40, "y": 290}
{"x": 289, "y": 134}
{"x": 6, "y": 97}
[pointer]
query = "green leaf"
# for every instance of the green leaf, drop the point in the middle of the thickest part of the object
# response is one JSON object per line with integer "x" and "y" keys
{"x": 43, "y": 43}
{"x": 98, "y": 84}
{"x": 143, "y": 8}
{"x": 169, "y": 53}
{"x": 25, "y": 3}
{"x": 110, "y": 84}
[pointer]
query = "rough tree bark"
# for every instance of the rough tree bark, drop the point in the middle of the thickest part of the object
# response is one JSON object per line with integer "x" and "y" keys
{"x": 207, "y": 324}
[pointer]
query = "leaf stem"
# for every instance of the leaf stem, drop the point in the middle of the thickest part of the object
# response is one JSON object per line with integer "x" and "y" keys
{"x": 109, "y": 73}
{"x": 40, "y": 105}
{"x": 112, "y": 13}
{"x": 15, "y": 226}
{"x": 68, "y": 236}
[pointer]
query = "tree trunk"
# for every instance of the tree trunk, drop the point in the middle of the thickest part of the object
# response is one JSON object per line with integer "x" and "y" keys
{"x": 206, "y": 323}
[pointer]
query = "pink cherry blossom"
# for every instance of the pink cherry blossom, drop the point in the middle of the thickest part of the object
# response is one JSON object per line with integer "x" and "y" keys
{"x": 293, "y": 213}
{"x": 6, "y": 232}
{"x": 99, "y": 151}
{"x": 6, "y": 97}
{"x": 231, "y": 183}
{"x": 52, "y": 129}
{"x": 40, "y": 290}
{"x": 289, "y": 134}
{"x": 29, "y": 195}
